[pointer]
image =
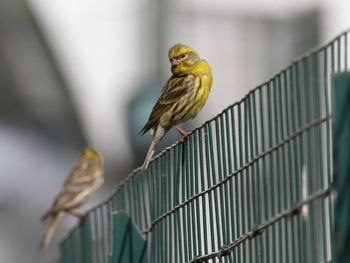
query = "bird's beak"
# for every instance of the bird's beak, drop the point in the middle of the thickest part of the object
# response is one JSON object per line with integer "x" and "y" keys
{"x": 174, "y": 62}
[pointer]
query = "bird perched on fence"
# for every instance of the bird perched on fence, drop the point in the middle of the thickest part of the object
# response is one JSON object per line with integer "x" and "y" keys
{"x": 85, "y": 179}
{"x": 182, "y": 97}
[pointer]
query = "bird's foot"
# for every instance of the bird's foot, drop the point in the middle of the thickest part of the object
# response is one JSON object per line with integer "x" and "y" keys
{"x": 182, "y": 133}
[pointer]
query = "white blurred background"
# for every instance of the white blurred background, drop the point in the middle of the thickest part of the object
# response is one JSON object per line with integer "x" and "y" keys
{"x": 83, "y": 72}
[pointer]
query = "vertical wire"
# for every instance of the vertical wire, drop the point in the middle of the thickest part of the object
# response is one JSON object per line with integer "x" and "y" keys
{"x": 215, "y": 191}
{"x": 283, "y": 164}
{"x": 294, "y": 123}
{"x": 250, "y": 171}
{"x": 158, "y": 228}
{"x": 95, "y": 233}
{"x": 315, "y": 218}
{"x": 184, "y": 210}
{"x": 105, "y": 231}
{"x": 145, "y": 202}
{"x": 100, "y": 234}
{"x": 323, "y": 160}
{"x": 171, "y": 232}
{"x": 276, "y": 167}
{"x": 279, "y": 161}
{"x": 226, "y": 190}
{"x": 287, "y": 165}
{"x": 188, "y": 195}
{"x": 299, "y": 155}
{"x": 148, "y": 193}
{"x": 346, "y": 50}
{"x": 320, "y": 158}
{"x": 110, "y": 227}
{"x": 77, "y": 245}
{"x": 219, "y": 146}
{"x": 234, "y": 128}
{"x": 308, "y": 164}
{"x": 255, "y": 173}
{"x": 204, "y": 204}
{"x": 73, "y": 246}
{"x": 180, "y": 211}
{"x": 338, "y": 42}
{"x": 209, "y": 184}
{"x": 305, "y": 151}
{"x": 70, "y": 249}
{"x": 196, "y": 220}
{"x": 263, "y": 108}
{"x": 270, "y": 141}
{"x": 229, "y": 185}
{"x": 327, "y": 136}
{"x": 164, "y": 197}
{"x": 139, "y": 200}
{"x": 175, "y": 186}
{"x": 167, "y": 194}
{"x": 256, "y": 129}
{"x": 64, "y": 252}
{"x": 241, "y": 176}
{"x": 163, "y": 200}
{"x": 153, "y": 192}
{"x": 329, "y": 150}
{"x": 225, "y": 172}
{"x": 192, "y": 206}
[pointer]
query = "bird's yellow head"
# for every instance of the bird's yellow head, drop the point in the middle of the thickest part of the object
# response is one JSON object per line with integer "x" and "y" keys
{"x": 90, "y": 154}
{"x": 182, "y": 58}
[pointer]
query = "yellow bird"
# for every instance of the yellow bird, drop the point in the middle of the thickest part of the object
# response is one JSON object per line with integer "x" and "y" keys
{"x": 85, "y": 179}
{"x": 182, "y": 97}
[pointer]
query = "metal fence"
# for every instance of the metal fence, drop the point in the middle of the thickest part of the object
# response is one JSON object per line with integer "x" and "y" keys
{"x": 251, "y": 185}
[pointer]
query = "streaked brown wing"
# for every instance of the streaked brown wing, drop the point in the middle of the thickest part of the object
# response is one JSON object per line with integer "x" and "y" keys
{"x": 81, "y": 178}
{"x": 176, "y": 88}
{"x": 80, "y": 173}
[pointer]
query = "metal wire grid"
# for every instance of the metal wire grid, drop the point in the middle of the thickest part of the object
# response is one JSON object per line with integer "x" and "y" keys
{"x": 234, "y": 190}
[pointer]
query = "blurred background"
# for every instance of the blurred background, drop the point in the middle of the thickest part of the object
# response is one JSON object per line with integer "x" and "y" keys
{"x": 76, "y": 73}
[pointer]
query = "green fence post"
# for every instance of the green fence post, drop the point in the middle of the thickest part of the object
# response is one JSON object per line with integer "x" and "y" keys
{"x": 342, "y": 165}
{"x": 128, "y": 244}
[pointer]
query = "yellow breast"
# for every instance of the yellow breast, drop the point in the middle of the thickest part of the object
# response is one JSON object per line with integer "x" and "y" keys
{"x": 203, "y": 70}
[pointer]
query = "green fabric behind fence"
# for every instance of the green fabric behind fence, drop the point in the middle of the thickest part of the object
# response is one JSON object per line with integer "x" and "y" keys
{"x": 342, "y": 164}
{"x": 250, "y": 185}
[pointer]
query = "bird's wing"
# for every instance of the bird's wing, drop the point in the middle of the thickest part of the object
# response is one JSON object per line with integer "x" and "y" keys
{"x": 82, "y": 178}
{"x": 175, "y": 89}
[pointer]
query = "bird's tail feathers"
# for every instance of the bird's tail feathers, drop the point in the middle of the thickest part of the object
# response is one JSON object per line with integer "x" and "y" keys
{"x": 55, "y": 219}
{"x": 149, "y": 155}
{"x": 158, "y": 135}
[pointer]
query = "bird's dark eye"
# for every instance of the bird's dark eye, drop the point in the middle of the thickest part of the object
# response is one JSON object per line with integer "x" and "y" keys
{"x": 182, "y": 56}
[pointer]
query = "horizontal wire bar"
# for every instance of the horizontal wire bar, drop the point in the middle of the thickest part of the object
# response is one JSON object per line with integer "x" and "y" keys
{"x": 247, "y": 165}
{"x": 226, "y": 250}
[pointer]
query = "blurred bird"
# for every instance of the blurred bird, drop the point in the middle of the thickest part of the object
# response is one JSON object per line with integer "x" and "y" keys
{"x": 182, "y": 97}
{"x": 85, "y": 179}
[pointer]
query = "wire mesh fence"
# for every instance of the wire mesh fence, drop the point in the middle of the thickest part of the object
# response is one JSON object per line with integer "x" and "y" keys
{"x": 252, "y": 184}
